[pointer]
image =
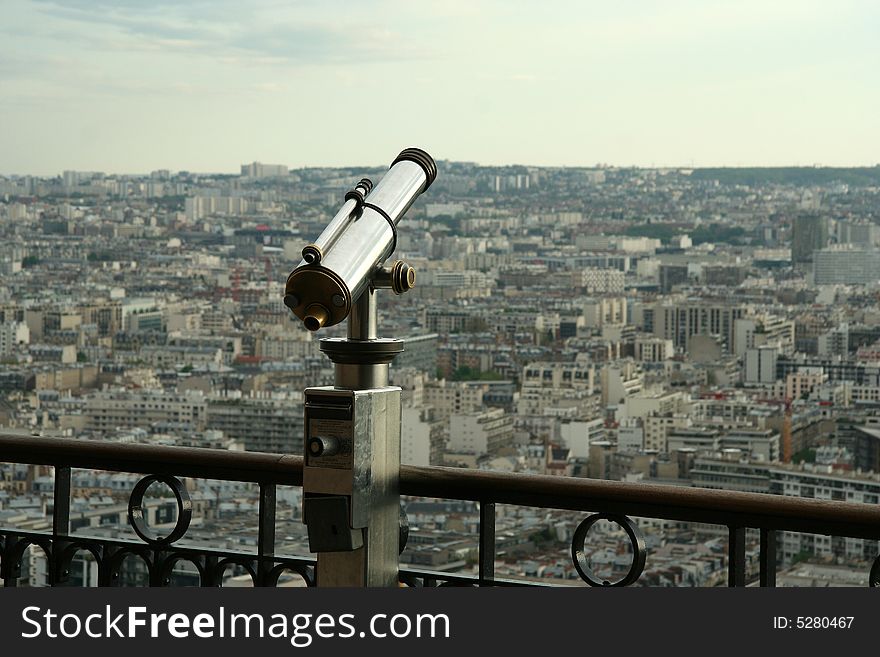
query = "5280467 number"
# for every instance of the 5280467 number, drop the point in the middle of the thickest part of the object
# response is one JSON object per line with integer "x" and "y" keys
{"x": 823, "y": 622}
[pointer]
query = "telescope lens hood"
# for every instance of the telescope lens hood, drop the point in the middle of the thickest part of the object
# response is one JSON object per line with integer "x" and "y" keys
{"x": 421, "y": 158}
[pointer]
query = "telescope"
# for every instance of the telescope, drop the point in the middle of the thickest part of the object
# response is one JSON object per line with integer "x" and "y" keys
{"x": 347, "y": 257}
{"x": 351, "y": 448}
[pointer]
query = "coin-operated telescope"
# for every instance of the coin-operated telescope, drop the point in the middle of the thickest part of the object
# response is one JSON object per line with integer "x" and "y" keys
{"x": 352, "y": 429}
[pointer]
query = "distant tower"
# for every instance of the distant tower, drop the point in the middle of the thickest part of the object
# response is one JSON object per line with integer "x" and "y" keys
{"x": 809, "y": 234}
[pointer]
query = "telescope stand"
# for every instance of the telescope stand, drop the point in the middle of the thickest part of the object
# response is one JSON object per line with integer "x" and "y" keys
{"x": 351, "y": 469}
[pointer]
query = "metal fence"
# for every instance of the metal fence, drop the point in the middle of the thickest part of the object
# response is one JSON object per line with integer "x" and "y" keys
{"x": 604, "y": 500}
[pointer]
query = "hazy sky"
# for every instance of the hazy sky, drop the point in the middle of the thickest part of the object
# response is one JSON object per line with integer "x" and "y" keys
{"x": 130, "y": 86}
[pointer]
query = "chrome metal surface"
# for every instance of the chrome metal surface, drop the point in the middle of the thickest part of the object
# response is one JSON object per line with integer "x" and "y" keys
{"x": 362, "y": 322}
{"x": 334, "y": 229}
{"x": 366, "y": 469}
{"x": 357, "y": 241}
{"x": 359, "y": 250}
{"x": 398, "y": 189}
{"x": 358, "y": 376}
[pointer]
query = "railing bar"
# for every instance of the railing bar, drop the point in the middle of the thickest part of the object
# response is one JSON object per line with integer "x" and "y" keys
{"x": 736, "y": 557}
{"x": 61, "y": 502}
{"x": 648, "y": 500}
{"x": 768, "y": 557}
{"x": 157, "y": 559}
{"x": 5, "y": 562}
{"x": 184, "y": 550}
{"x": 266, "y": 536}
{"x": 266, "y": 540}
{"x": 487, "y": 541}
{"x": 153, "y": 459}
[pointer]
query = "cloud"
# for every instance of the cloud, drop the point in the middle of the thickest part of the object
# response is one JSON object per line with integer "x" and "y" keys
{"x": 263, "y": 32}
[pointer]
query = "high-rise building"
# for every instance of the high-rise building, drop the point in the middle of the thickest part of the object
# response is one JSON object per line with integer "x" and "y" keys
{"x": 861, "y": 233}
{"x": 760, "y": 365}
{"x": 681, "y": 319}
{"x": 809, "y": 234}
{"x": 763, "y": 330}
{"x": 672, "y": 275}
{"x": 260, "y": 170}
{"x": 846, "y": 266}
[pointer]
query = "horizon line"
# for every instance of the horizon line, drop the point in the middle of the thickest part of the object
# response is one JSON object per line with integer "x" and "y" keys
{"x": 597, "y": 166}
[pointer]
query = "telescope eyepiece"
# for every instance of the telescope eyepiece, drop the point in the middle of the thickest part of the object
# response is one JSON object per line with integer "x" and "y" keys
{"x": 316, "y": 316}
{"x": 312, "y": 254}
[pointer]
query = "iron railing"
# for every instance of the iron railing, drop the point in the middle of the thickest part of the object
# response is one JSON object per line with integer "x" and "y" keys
{"x": 617, "y": 501}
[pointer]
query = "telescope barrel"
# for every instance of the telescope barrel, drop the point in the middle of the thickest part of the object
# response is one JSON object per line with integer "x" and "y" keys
{"x": 349, "y": 211}
{"x": 322, "y": 289}
{"x": 313, "y": 253}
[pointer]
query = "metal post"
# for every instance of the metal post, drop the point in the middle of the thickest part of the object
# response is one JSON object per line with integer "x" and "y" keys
{"x": 736, "y": 556}
{"x": 487, "y": 541}
{"x": 266, "y": 535}
{"x": 350, "y": 478}
{"x": 768, "y": 557}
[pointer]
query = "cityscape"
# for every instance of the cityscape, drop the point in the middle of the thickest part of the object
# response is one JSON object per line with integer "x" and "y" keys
{"x": 691, "y": 327}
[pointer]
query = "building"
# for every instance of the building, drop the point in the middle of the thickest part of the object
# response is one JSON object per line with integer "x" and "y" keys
{"x": 262, "y": 423}
{"x": 862, "y": 233}
{"x": 578, "y": 435}
{"x": 834, "y": 343}
{"x": 766, "y": 330}
{"x": 837, "y": 369}
{"x": 619, "y": 381}
{"x": 657, "y": 427}
{"x": 447, "y": 320}
{"x": 846, "y": 266}
{"x": 757, "y": 444}
{"x": 599, "y": 281}
{"x": 12, "y": 336}
{"x": 630, "y": 436}
{"x": 53, "y": 353}
{"x": 804, "y": 480}
{"x": 800, "y": 384}
{"x": 655, "y": 402}
{"x": 580, "y": 375}
{"x": 109, "y": 409}
{"x": 671, "y": 276}
{"x": 422, "y": 438}
{"x": 420, "y": 353}
{"x": 653, "y": 350}
{"x": 169, "y": 356}
{"x": 759, "y": 365}
{"x": 604, "y": 311}
{"x": 260, "y": 170}
{"x": 199, "y": 207}
{"x": 482, "y": 433}
{"x": 450, "y": 397}
{"x": 809, "y": 234}
{"x": 681, "y": 319}
{"x": 704, "y": 439}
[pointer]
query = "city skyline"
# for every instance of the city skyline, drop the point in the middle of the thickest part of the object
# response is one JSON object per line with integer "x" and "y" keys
{"x": 697, "y": 330}
{"x": 115, "y": 87}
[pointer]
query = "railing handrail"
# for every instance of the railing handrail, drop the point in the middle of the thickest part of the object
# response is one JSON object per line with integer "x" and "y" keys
{"x": 668, "y": 502}
{"x": 678, "y": 503}
{"x": 197, "y": 462}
